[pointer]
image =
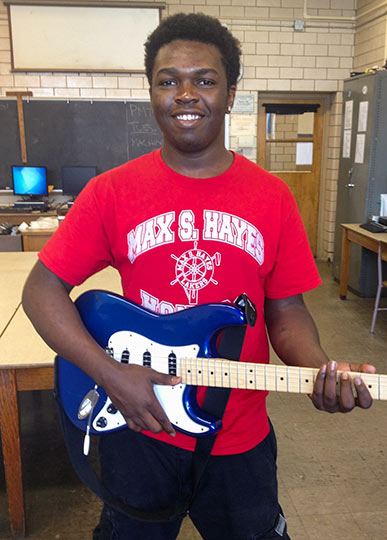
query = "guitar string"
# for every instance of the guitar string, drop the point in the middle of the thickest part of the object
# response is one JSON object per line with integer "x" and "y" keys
{"x": 158, "y": 361}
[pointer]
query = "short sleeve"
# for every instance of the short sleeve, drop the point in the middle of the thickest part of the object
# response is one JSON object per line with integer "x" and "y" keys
{"x": 79, "y": 248}
{"x": 294, "y": 270}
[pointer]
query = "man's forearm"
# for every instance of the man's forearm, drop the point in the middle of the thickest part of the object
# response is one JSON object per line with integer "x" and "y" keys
{"x": 293, "y": 333}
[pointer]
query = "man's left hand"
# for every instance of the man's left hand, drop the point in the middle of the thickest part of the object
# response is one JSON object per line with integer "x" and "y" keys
{"x": 325, "y": 396}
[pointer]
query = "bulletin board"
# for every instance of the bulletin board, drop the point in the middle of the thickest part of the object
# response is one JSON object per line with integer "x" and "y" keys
{"x": 81, "y": 37}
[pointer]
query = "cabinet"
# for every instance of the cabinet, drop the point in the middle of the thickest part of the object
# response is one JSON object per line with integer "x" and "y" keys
{"x": 362, "y": 171}
{"x": 34, "y": 239}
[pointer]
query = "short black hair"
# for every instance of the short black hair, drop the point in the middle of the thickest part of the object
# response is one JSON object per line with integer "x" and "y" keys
{"x": 195, "y": 27}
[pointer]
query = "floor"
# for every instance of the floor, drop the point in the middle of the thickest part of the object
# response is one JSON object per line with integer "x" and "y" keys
{"x": 332, "y": 468}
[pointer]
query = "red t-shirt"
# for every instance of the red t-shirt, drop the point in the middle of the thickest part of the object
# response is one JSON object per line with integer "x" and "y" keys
{"x": 144, "y": 219}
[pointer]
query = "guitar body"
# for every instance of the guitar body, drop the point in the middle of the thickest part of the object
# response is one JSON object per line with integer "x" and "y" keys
{"x": 133, "y": 334}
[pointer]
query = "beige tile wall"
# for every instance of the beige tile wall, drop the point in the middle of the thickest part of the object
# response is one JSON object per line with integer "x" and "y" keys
{"x": 275, "y": 59}
{"x": 371, "y": 34}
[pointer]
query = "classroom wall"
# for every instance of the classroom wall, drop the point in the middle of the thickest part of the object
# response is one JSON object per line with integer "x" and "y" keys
{"x": 371, "y": 34}
{"x": 276, "y": 59}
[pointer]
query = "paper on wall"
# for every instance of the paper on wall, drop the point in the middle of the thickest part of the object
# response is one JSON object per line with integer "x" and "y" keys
{"x": 348, "y": 114}
{"x": 360, "y": 145}
{"x": 363, "y": 114}
{"x": 383, "y": 204}
{"x": 243, "y": 125}
{"x": 347, "y": 143}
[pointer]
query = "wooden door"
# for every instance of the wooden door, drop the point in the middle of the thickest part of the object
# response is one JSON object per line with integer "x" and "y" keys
{"x": 290, "y": 146}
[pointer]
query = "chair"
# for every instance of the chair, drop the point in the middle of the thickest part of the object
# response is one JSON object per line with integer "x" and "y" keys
{"x": 382, "y": 256}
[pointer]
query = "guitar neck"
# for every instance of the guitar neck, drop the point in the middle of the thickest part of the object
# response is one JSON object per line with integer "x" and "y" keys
{"x": 250, "y": 376}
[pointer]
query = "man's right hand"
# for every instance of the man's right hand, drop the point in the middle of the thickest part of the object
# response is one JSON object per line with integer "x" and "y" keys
{"x": 130, "y": 387}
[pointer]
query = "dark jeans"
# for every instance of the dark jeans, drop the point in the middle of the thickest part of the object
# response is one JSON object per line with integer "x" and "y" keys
{"x": 236, "y": 498}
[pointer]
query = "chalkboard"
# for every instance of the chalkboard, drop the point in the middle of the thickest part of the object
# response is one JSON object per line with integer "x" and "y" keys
{"x": 102, "y": 134}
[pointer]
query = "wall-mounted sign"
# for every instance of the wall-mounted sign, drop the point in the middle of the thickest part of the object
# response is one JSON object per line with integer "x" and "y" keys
{"x": 244, "y": 103}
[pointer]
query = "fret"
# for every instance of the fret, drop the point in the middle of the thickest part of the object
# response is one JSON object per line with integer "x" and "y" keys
{"x": 260, "y": 375}
{"x": 282, "y": 378}
{"x": 233, "y": 374}
{"x": 376, "y": 384}
{"x": 241, "y": 370}
{"x": 199, "y": 371}
{"x": 251, "y": 382}
{"x": 189, "y": 371}
{"x": 211, "y": 372}
{"x": 306, "y": 381}
{"x": 181, "y": 368}
{"x": 226, "y": 374}
{"x": 270, "y": 377}
{"x": 194, "y": 370}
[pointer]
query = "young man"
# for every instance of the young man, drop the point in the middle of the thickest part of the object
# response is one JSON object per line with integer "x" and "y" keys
{"x": 189, "y": 224}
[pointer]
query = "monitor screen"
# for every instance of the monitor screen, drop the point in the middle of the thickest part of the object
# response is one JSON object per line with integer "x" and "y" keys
{"x": 74, "y": 179}
{"x": 28, "y": 180}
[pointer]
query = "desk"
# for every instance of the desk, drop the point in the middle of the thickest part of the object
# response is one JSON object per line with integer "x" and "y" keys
{"x": 354, "y": 233}
{"x": 26, "y": 364}
{"x": 34, "y": 239}
{"x": 14, "y": 270}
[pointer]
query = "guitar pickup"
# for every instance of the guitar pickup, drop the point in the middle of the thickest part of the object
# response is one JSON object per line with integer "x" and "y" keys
{"x": 112, "y": 409}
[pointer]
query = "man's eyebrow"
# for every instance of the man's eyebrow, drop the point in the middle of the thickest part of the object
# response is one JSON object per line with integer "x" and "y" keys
{"x": 199, "y": 71}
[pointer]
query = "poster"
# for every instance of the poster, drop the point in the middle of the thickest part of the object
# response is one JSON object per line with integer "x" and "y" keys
{"x": 243, "y": 125}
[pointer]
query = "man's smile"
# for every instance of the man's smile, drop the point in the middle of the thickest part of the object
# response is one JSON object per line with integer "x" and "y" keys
{"x": 188, "y": 117}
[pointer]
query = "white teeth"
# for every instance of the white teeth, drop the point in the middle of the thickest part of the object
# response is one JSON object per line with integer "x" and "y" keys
{"x": 188, "y": 117}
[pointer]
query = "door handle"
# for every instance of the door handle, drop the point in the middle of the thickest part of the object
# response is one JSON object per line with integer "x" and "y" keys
{"x": 349, "y": 186}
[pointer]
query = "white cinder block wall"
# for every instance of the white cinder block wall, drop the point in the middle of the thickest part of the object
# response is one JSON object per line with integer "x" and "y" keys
{"x": 339, "y": 36}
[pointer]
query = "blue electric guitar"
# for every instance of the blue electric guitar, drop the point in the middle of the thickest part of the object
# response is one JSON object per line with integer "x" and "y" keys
{"x": 182, "y": 344}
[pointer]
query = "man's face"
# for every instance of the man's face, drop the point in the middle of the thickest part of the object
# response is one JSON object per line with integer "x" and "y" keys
{"x": 189, "y": 95}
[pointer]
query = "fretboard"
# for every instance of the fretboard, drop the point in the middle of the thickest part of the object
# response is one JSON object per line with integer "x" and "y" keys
{"x": 250, "y": 376}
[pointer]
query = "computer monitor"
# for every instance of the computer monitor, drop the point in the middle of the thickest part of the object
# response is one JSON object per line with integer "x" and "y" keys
{"x": 29, "y": 181}
{"x": 74, "y": 179}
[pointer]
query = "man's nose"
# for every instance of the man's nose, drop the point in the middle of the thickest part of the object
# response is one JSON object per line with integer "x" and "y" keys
{"x": 187, "y": 93}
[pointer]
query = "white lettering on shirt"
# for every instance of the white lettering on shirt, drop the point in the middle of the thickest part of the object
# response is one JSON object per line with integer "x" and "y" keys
{"x": 152, "y": 233}
{"x": 161, "y": 307}
{"x": 217, "y": 226}
{"x": 235, "y": 231}
{"x": 187, "y": 231}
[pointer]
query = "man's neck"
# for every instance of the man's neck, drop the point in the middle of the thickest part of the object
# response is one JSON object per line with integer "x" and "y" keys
{"x": 201, "y": 165}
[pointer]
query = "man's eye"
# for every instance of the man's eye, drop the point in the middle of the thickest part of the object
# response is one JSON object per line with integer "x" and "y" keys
{"x": 206, "y": 82}
{"x": 167, "y": 83}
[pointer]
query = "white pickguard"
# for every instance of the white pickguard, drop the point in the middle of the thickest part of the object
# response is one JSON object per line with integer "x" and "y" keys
{"x": 170, "y": 397}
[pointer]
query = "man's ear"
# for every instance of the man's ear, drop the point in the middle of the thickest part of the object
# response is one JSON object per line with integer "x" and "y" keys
{"x": 231, "y": 96}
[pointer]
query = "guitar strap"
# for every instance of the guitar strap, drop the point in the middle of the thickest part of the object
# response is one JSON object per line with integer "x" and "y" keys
{"x": 215, "y": 402}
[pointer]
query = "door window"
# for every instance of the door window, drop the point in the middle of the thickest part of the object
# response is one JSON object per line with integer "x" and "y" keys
{"x": 289, "y": 138}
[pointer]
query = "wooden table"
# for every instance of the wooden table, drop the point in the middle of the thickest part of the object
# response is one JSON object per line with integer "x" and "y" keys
{"x": 26, "y": 363}
{"x": 352, "y": 232}
{"x": 34, "y": 239}
{"x": 14, "y": 270}
{"x": 16, "y": 218}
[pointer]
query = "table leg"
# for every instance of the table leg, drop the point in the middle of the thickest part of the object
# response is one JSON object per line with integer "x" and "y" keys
{"x": 344, "y": 269}
{"x": 9, "y": 426}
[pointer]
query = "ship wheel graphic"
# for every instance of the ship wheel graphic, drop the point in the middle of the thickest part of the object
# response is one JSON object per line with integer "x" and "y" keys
{"x": 194, "y": 270}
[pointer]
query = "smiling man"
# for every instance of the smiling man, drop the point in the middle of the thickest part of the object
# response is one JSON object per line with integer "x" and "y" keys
{"x": 188, "y": 224}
